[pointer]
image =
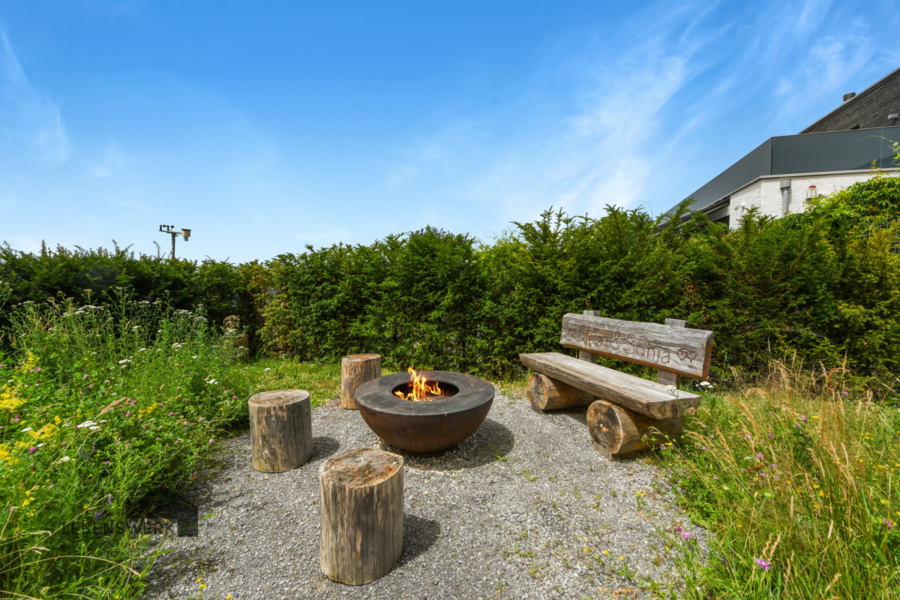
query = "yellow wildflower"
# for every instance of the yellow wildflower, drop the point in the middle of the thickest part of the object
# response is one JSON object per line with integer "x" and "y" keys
{"x": 6, "y": 455}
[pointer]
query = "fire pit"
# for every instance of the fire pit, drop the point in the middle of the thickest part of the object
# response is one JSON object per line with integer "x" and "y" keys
{"x": 434, "y": 423}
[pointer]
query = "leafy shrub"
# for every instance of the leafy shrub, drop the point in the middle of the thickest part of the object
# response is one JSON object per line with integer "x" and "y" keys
{"x": 101, "y": 406}
{"x": 822, "y": 284}
{"x": 85, "y": 276}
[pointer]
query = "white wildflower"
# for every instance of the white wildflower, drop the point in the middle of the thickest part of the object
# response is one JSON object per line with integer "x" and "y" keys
{"x": 672, "y": 390}
{"x": 26, "y": 429}
{"x": 93, "y": 428}
{"x": 64, "y": 459}
{"x": 85, "y": 424}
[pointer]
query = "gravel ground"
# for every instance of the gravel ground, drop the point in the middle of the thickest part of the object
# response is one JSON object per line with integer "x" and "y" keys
{"x": 524, "y": 508}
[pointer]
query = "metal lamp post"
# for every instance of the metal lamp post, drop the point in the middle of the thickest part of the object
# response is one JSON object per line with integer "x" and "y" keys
{"x": 170, "y": 229}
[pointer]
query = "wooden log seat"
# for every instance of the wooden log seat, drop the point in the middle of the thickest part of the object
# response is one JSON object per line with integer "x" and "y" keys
{"x": 357, "y": 369}
{"x": 636, "y": 393}
{"x": 546, "y": 393}
{"x": 618, "y": 432}
{"x": 280, "y": 430}
{"x": 632, "y": 413}
{"x": 361, "y": 515}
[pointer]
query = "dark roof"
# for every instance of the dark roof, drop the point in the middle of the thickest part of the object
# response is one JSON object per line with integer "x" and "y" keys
{"x": 853, "y": 150}
{"x": 869, "y": 109}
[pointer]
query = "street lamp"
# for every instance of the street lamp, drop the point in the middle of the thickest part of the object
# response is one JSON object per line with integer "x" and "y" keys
{"x": 170, "y": 229}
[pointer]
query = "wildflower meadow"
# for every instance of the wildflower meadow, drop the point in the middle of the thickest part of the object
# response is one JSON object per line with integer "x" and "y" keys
{"x": 796, "y": 478}
{"x": 105, "y": 412}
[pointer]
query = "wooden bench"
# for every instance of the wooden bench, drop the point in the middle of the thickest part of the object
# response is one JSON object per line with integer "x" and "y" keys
{"x": 632, "y": 413}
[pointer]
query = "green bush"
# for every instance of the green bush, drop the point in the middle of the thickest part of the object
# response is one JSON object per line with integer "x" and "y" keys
{"x": 85, "y": 276}
{"x": 821, "y": 286}
{"x": 101, "y": 406}
{"x": 413, "y": 299}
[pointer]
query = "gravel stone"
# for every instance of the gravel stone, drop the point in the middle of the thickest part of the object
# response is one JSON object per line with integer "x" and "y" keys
{"x": 524, "y": 508}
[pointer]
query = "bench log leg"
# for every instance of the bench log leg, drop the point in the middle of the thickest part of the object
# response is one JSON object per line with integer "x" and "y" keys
{"x": 618, "y": 432}
{"x": 546, "y": 393}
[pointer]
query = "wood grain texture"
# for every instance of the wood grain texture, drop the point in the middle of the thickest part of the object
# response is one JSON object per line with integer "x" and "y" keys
{"x": 623, "y": 432}
{"x": 361, "y": 515}
{"x": 546, "y": 393}
{"x": 665, "y": 377}
{"x": 646, "y": 397}
{"x": 680, "y": 351}
{"x": 584, "y": 354}
{"x": 280, "y": 430}
{"x": 357, "y": 369}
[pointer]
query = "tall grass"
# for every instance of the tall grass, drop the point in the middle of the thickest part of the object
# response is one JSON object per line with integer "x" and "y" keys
{"x": 102, "y": 408}
{"x": 797, "y": 480}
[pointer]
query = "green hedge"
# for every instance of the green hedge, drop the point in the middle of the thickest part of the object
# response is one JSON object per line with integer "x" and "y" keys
{"x": 89, "y": 277}
{"x": 817, "y": 287}
{"x": 820, "y": 287}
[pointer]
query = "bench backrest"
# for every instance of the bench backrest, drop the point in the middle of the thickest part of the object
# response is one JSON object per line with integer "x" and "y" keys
{"x": 677, "y": 350}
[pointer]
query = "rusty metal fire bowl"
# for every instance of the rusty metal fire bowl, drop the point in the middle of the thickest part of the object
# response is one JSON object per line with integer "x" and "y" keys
{"x": 430, "y": 426}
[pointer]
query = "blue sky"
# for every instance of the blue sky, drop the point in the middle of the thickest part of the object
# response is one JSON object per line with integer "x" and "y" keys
{"x": 267, "y": 126}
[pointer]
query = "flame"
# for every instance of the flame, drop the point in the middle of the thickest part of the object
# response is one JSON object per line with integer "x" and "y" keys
{"x": 421, "y": 388}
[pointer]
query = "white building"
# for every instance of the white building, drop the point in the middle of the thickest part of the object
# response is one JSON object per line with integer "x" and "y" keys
{"x": 833, "y": 153}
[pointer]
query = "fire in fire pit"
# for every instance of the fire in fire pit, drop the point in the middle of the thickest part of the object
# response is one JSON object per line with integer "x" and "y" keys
{"x": 420, "y": 389}
{"x": 441, "y": 421}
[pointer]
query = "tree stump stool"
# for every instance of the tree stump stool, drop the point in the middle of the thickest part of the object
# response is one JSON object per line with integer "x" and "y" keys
{"x": 618, "y": 432}
{"x": 357, "y": 369}
{"x": 280, "y": 430}
{"x": 361, "y": 508}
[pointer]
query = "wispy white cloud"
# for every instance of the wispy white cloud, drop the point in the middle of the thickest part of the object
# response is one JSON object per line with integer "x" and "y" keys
{"x": 647, "y": 101}
{"x": 609, "y": 148}
{"x": 31, "y": 116}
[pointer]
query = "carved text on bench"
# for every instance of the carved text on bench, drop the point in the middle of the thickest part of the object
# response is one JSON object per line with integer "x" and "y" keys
{"x": 639, "y": 345}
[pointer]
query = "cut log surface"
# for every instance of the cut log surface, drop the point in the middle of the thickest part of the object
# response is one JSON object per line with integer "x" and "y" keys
{"x": 357, "y": 369}
{"x": 546, "y": 393}
{"x": 646, "y": 397}
{"x": 280, "y": 430}
{"x": 361, "y": 512}
{"x": 619, "y": 432}
{"x": 678, "y": 350}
